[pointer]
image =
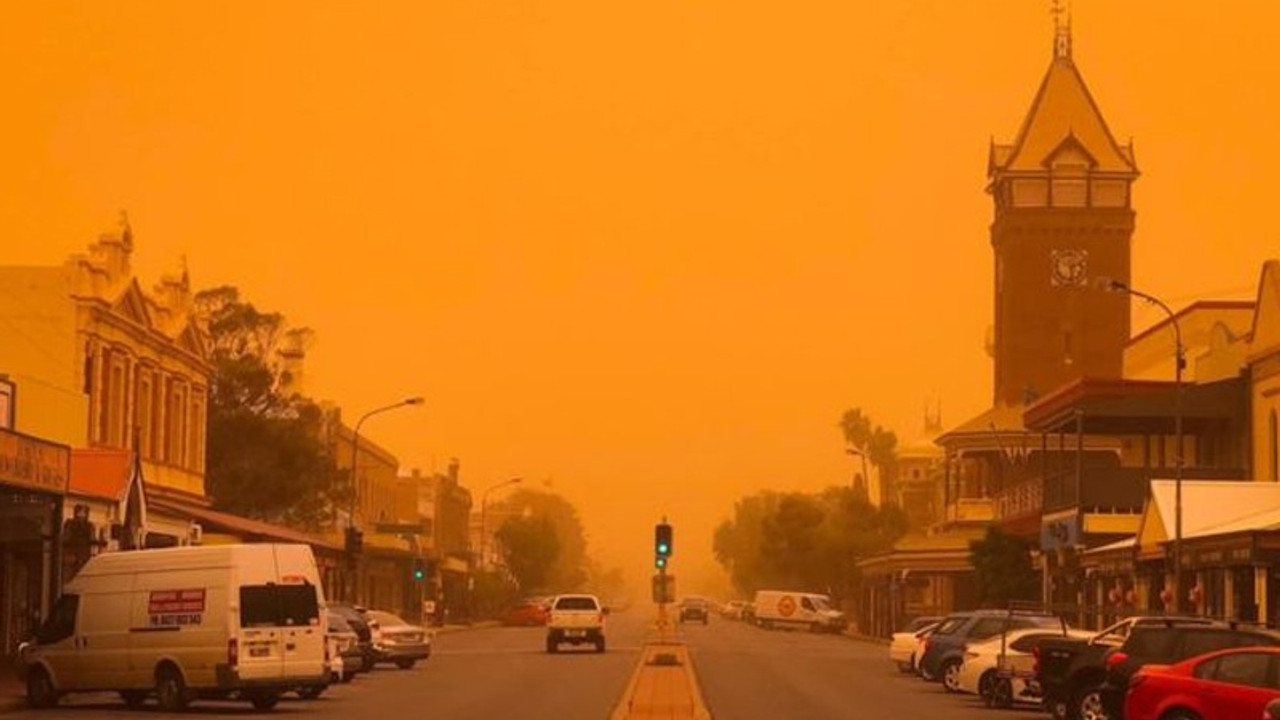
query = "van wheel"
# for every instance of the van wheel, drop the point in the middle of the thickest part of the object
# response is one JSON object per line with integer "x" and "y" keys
{"x": 311, "y": 692}
{"x": 265, "y": 701}
{"x": 405, "y": 664}
{"x": 133, "y": 698}
{"x": 600, "y": 645}
{"x": 40, "y": 690}
{"x": 171, "y": 691}
{"x": 551, "y": 646}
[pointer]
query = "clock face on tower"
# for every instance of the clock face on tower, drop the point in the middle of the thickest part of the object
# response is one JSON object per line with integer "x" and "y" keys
{"x": 1068, "y": 268}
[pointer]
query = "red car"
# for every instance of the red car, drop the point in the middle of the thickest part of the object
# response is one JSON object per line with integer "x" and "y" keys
{"x": 531, "y": 611}
{"x": 1233, "y": 684}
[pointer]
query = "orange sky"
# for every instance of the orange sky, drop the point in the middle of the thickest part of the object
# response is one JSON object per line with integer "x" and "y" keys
{"x": 649, "y": 251}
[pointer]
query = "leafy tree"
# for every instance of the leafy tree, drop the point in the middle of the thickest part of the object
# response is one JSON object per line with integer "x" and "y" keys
{"x": 570, "y": 569}
{"x": 530, "y": 547}
{"x": 804, "y": 541}
{"x": 879, "y": 444}
{"x": 266, "y": 453}
{"x": 1002, "y": 564}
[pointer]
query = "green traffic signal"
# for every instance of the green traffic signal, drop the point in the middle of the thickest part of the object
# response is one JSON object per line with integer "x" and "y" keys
{"x": 660, "y": 562}
{"x": 662, "y": 539}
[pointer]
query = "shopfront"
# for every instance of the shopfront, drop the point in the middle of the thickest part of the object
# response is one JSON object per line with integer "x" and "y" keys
{"x": 33, "y": 484}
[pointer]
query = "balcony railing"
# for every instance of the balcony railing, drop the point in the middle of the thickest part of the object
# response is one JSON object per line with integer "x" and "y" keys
{"x": 1021, "y": 500}
{"x": 1118, "y": 488}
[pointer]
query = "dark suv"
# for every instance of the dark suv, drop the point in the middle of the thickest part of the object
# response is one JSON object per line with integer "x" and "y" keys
{"x": 355, "y": 617}
{"x": 944, "y": 650}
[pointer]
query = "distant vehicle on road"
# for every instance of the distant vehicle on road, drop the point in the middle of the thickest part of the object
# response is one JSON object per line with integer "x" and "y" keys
{"x": 733, "y": 609}
{"x": 577, "y": 620}
{"x": 345, "y": 654}
{"x": 776, "y": 608}
{"x": 397, "y": 641}
{"x": 694, "y": 609}
{"x": 358, "y": 620}
{"x": 528, "y": 612}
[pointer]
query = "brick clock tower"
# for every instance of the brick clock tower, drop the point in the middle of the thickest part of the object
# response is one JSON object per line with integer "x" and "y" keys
{"x": 1063, "y": 221}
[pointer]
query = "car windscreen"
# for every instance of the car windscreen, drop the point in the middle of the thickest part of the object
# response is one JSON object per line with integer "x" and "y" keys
{"x": 278, "y": 606}
{"x": 948, "y": 626}
{"x": 576, "y": 603}
{"x": 386, "y": 619}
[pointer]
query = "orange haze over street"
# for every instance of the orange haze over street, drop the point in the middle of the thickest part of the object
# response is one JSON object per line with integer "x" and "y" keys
{"x": 646, "y": 252}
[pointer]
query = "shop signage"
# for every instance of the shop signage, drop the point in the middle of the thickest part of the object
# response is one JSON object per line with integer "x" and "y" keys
{"x": 174, "y": 608}
{"x": 34, "y": 464}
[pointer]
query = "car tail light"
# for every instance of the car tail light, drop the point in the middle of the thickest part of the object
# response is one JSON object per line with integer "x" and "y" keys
{"x": 927, "y": 643}
{"x": 233, "y": 652}
{"x": 1035, "y": 661}
{"x": 1115, "y": 659}
{"x": 327, "y": 657}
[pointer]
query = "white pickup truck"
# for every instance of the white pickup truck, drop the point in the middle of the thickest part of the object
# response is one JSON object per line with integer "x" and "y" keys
{"x": 577, "y": 620}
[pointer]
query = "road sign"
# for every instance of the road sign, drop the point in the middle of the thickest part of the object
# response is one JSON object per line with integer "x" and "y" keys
{"x": 664, "y": 588}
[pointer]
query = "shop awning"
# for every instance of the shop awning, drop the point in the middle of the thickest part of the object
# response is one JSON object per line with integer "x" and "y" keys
{"x": 247, "y": 529}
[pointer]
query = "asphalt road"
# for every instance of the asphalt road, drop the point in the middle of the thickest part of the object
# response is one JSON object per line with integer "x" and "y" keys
{"x": 498, "y": 673}
{"x": 747, "y": 673}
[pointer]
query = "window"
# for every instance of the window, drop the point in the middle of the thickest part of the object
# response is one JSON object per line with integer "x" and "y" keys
{"x": 62, "y": 621}
{"x": 278, "y": 606}
{"x": 142, "y": 411}
{"x": 576, "y": 603}
{"x": 806, "y": 603}
{"x": 1027, "y": 643}
{"x": 177, "y": 430}
{"x": 1152, "y": 642}
{"x": 1201, "y": 642}
{"x": 1245, "y": 668}
{"x": 986, "y": 627}
{"x": 949, "y": 626}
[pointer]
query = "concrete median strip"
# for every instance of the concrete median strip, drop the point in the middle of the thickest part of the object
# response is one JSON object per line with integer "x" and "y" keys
{"x": 663, "y": 686}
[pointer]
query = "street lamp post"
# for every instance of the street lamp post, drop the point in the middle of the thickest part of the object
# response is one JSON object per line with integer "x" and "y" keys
{"x": 355, "y": 457}
{"x": 484, "y": 500}
{"x": 1179, "y": 362}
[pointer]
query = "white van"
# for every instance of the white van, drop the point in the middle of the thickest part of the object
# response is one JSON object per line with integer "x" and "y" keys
{"x": 223, "y": 621}
{"x": 787, "y": 607}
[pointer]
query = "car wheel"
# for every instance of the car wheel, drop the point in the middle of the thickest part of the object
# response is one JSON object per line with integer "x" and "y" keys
{"x": 986, "y": 684}
{"x": 265, "y": 701}
{"x": 171, "y": 691}
{"x": 600, "y": 645}
{"x": 1058, "y": 708}
{"x": 1088, "y": 704}
{"x": 1002, "y": 694}
{"x": 311, "y": 692}
{"x": 40, "y": 690}
{"x": 951, "y": 676}
{"x": 133, "y": 698}
{"x": 551, "y": 646}
{"x": 405, "y": 664}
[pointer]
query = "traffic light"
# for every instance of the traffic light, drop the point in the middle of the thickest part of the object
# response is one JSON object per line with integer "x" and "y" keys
{"x": 660, "y": 562}
{"x": 662, "y": 542}
{"x": 419, "y": 569}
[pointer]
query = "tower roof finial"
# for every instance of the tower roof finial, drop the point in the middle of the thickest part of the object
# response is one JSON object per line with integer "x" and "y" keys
{"x": 1061, "y": 29}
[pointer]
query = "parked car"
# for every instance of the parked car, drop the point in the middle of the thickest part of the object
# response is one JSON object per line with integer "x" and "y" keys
{"x": 528, "y": 612}
{"x": 902, "y": 649}
{"x": 694, "y": 609}
{"x": 1166, "y": 645}
{"x": 358, "y": 621}
{"x": 944, "y": 649}
{"x": 980, "y": 673}
{"x": 346, "y": 656}
{"x": 733, "y": 609}
{"x": 397, "y": 641}
{"x": 1239, "y": 683}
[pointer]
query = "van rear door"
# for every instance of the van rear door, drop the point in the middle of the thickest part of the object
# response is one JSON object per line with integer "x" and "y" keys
{"x": 279, "y": 625}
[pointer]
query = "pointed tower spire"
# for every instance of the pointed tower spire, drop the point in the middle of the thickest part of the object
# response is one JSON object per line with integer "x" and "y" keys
{"x": 1061, "y": 30}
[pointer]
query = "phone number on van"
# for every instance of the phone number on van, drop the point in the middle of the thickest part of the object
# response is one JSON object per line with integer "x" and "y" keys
{"x": 170, "y": 608}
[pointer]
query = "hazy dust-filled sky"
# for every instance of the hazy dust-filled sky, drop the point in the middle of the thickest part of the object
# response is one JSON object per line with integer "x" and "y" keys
{"x": 645, "y": 252}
